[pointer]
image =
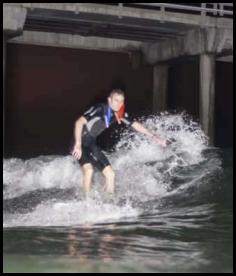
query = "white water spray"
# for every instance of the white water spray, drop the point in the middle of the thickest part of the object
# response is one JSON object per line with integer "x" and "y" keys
{"x": 144, "y": 172}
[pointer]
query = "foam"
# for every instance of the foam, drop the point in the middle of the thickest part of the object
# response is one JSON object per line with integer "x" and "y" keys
{"x": 144, "y": 172}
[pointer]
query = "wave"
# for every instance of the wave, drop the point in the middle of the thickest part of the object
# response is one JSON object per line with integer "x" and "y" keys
{"x": 47, "y": 190}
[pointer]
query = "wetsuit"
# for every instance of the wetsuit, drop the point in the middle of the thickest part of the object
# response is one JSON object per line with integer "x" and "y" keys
{"x": 99, "y": 117}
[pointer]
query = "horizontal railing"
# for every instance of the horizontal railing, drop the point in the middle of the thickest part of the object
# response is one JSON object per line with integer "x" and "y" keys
{"x": 219, "y": 9}
{"x": 216, "y": 8}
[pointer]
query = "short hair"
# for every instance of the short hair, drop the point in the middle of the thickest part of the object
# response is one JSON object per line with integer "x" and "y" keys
{"x": 117, "y": 91}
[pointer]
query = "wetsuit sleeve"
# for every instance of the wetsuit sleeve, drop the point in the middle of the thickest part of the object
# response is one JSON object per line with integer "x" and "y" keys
{"x": 127, "y": 120}
{"x": 93, "y": 111}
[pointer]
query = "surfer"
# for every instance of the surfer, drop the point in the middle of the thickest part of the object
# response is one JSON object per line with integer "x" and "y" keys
{"x": 92, "y": 123}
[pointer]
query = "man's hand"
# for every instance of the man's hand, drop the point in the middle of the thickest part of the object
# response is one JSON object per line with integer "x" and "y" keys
{"x": 77, "y": 151}
{"x": 140, "y": 128}
{"x": 162, "y": 142}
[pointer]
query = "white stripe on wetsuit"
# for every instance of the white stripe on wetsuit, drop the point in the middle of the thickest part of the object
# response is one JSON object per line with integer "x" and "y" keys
{"x": 90, "y": 110}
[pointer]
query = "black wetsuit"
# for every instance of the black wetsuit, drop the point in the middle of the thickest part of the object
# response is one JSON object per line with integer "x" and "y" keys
{"x": 99, "y": 117}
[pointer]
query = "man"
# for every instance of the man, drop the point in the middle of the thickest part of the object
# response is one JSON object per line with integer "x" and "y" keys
{"x": 94, "y": 121}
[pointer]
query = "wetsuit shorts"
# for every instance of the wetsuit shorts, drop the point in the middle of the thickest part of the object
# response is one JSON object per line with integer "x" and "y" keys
{"x": 92, "y": 154}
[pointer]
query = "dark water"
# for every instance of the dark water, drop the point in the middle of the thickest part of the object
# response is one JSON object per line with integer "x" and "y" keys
{"x": 185, "y": 224}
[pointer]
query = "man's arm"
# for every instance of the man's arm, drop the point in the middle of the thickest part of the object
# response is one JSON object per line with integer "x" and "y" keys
{"x": 83, "y": 120}
{"x": 79, "y": 124}
{"x": 77, "y": 152}
{"x": 140, "y": 128}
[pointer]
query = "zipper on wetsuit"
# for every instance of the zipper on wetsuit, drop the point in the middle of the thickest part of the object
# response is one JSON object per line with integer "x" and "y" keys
{"x": 108, "y": 117}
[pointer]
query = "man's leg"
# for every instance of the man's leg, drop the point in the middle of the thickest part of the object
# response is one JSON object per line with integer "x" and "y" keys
{"x": 87, "y": 177}
{"x": 110, "y": 179}
{"x": 100, "y": 161}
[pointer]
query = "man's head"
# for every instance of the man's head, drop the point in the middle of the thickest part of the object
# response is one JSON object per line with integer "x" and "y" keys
{"x": 116, "y": 99}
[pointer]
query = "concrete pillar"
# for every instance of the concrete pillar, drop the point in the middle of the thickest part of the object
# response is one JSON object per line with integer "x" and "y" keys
{"x": 207, "y": 94}
{"x": 13, "y": 23}
{"x": 160, "y": 78}
{"x": 3, "y": 91}
{"x": 4, "y": 59}
{"x": 13, "y": 19}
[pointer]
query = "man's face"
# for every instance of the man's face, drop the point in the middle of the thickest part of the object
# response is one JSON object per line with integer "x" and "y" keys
{"x": 116, "y": 101}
